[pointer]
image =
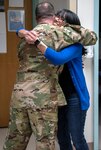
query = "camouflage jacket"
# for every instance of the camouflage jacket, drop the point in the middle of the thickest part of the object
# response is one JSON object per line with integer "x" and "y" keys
{"x": 60, "y": 37}
{"x": 38, "y": 72}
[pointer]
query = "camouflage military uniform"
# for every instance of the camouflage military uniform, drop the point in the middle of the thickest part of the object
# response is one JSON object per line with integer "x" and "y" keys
{"x": 37, "y": 93}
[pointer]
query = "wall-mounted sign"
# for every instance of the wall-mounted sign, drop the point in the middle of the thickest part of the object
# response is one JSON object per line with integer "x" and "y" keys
{"x": 16, "y": 3}
{"x": 16, "y": 19}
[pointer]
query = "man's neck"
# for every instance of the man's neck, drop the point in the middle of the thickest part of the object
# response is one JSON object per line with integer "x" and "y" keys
{"x": 46, "y": 21}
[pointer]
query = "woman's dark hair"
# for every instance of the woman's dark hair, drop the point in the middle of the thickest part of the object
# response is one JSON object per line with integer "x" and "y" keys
{"x": 70, "y": 17}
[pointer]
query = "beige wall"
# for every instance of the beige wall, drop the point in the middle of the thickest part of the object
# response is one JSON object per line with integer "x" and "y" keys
{"x": 73, "y": 5}
{"x": 85, "y": 12}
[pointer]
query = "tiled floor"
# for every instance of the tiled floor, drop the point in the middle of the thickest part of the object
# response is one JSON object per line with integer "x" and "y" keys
{"x": 31, "y": 145}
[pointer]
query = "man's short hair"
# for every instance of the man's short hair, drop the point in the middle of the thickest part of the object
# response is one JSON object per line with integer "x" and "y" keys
{"x": 44, "y": 10}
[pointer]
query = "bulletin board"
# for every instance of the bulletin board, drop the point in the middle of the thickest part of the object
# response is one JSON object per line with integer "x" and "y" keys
{"x": 16, "y": 19}
{"x": 16, "y": 15}
{"x": 16, "y": 3}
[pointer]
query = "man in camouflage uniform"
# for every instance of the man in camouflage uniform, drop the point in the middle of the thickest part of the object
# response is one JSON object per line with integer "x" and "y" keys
{"x": 36, "y": 93}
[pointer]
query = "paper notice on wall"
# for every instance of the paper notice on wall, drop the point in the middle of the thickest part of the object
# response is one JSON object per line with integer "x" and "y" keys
{"x": 3, "y": 44}
{"x": 90, "y": 51}
{"x": 16, "y": 3}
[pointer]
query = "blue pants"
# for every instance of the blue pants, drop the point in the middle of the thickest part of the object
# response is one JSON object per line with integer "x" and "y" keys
{"x": 71, "y": 122}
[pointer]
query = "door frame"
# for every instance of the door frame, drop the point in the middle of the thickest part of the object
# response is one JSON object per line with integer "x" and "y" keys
{"x": 96, "y": 77}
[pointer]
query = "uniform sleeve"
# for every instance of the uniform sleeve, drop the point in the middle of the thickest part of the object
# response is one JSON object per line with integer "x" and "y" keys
{"x": 17, "y": 31}
{"x": 61, "y": 37}
{"x": 88, "y": 37}
{"x": 79, "y": 34}
{"x": 65, "y": 55}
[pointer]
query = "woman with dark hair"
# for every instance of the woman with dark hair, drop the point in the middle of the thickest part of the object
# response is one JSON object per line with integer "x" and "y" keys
{"x": 71, "y": 118}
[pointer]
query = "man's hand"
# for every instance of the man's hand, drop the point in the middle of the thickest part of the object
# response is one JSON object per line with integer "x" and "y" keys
{"x": 30, "y": 36}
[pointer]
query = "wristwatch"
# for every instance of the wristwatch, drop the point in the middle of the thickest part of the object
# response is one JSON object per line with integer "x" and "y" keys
{"x": 37, "y": 42}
